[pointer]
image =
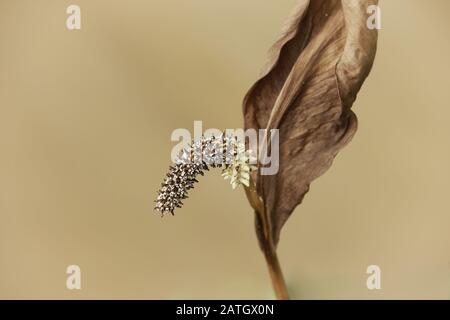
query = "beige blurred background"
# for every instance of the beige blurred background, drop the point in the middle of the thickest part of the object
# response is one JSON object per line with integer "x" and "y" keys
{"x": 85, "y": 124}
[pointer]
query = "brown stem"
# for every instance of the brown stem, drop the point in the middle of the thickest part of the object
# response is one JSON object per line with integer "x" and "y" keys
{"x": 276, "y": 274}
{"x": 267, "y": 244}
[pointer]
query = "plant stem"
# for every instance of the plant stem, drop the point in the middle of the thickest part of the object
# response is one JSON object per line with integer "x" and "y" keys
{"x": 266, "y": 243}
{"x": 276, "y": 274}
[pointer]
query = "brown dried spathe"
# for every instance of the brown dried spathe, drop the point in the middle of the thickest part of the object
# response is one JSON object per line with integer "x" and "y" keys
{"x": 311, "y": 80}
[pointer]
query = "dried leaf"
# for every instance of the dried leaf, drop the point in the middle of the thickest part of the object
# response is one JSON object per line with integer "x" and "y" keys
{"x": 313, "y": 75}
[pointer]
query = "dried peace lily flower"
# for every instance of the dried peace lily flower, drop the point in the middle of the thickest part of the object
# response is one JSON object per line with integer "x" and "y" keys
{"x": 306, "y": 91}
